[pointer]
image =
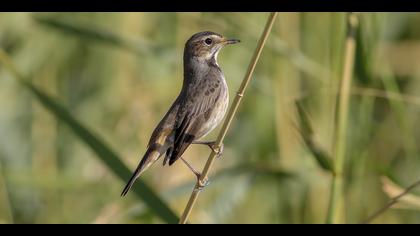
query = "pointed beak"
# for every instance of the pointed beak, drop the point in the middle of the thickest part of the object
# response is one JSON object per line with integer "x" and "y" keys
{"x": 231, "y": 41}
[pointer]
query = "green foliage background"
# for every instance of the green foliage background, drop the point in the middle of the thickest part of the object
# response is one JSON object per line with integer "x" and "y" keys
{"x": 96, "y": 84}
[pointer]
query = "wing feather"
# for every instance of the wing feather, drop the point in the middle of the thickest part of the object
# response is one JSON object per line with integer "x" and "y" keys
{"x": 193, "y": 117}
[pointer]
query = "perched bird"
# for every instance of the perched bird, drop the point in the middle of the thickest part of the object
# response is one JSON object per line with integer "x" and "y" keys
{"x": 198, "y": 109}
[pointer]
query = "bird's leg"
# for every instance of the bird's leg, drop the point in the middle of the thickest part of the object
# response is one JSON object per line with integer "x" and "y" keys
{"x": 201, "y": 184}
{"x": 197, "y": 174}
{"x": 211, "y": 144}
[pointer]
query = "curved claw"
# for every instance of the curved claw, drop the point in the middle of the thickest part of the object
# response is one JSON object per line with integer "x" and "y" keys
{"x": 219, "y": 151}
{"x": 202, "y": 184}
{"x": 211, "y": 145}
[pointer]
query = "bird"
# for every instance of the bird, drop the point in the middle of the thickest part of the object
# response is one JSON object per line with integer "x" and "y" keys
{"x": 199, "y": 108}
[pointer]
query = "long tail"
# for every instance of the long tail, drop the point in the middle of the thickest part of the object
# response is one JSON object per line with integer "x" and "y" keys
{"x": 148, "y": 159}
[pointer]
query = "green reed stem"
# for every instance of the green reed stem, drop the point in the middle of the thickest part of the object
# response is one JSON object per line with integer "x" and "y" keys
{"x": 336, "y": 195}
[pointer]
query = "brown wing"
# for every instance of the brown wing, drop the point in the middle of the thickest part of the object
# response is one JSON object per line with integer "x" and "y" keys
{"x": 160, "y": 141}
{"x": 191, "y": 119}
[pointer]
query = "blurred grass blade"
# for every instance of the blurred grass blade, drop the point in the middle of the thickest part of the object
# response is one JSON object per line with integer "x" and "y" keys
{"x": 336, "y": 206}
{"x": 91, "y": 32}
{"x": 391, "y": 86}
{"x": 394, "y": 200}
{"x": 408, "y": 201}
{"x": 106, "y": 155}
{"x": 306, "y": 131}
{"x": 4, "y": 194}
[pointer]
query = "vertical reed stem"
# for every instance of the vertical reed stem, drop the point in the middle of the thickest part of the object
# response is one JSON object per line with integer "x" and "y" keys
{"x": 336, "y": 195}
{"x": 232, "y": 111}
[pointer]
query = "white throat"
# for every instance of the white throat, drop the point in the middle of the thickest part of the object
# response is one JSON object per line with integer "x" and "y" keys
{"x": 215, "y": 57}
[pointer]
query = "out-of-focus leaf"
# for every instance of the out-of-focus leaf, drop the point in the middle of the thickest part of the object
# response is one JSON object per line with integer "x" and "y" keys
{"x": 321, "y": 156}
{"x": 4, "y": 194}
{"x": 105, "y": 154}
{"x": 408, "y": 201}
{"x": 399, "y": 110}
{"x": 91, "y": 32}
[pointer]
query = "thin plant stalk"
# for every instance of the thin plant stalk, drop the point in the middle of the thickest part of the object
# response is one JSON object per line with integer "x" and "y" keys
{"x": 336, "y": 195}
{"x": 232, "y": 111}
{"x": 391, "y": 202}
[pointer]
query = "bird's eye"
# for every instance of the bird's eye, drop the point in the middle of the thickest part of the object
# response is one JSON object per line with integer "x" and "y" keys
{"x": 208, "y": 41}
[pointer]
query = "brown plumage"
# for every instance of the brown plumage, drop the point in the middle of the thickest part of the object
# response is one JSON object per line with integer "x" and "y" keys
{"x": 198, "y": 109}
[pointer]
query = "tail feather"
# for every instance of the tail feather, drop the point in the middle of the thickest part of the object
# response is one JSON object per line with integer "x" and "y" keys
{"x": 148, "y": 159}
{"x": 130, "y": 183}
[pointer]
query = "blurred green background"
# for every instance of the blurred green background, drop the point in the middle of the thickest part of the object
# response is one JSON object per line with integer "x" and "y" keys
{"x": 118, "y": 73}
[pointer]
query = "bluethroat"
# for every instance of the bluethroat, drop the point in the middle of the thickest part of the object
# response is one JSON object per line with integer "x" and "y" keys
{"x": 198, "y": 109}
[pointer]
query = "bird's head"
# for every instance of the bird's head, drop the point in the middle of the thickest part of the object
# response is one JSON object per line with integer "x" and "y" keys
{"x": 205, "y": 46}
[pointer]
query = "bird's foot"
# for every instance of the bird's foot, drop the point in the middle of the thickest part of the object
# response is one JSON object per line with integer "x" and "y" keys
{"x": 212, "y": 146}
{"x": 201, "y": 184}
{"x": 219, "y": 150}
